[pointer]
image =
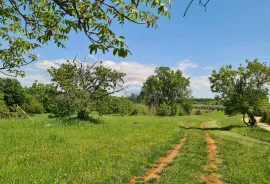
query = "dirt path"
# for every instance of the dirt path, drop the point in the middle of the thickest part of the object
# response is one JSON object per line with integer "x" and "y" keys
{"x": 154, "y": 173}
{"x": 262, "y": 125}
{"x": 213, "y": 161}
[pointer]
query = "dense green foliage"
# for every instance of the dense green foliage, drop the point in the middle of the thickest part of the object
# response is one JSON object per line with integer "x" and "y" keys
{"x": 45, "y": 94}
{"x": 12, "y": 90}
{"x": 243, "y": 90}
{"x": 36, "y": 99}
{"x": 84, "y": 84}
{"x": 206, "y": 101}
{"x": 26, "y": 25}
{"x": 31, "y": 105}
{"x": 166, "y": 90}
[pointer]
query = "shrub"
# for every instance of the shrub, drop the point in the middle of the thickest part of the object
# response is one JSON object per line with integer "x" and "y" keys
{"x": 266, "y": 117}
{"x": 187, "y": 107}
{"x": 124, "y": 106}
{"x": 174, "y": 109}
{"x": 32, "y": 106}
{"x": 198, "y": 112}
{"x": 164, "y": 110}
{"x": 3, "y": 108}
{"x": 181, "y": 111}
{"x": 62, "y": 107}
{"x": 139, "y": 109}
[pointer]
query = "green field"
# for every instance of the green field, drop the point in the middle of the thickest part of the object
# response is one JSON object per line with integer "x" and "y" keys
{"x": 114, "y": 149}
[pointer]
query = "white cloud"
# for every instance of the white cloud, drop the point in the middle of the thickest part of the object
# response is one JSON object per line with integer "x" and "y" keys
{"x": 198, "y": 82}
{"x": 29, "y": 79}
{"x": 186, "y": 64}
{"x": 208, "y": 68}
{"x": 46, "y": 64}
{"x": 136, "y": 73}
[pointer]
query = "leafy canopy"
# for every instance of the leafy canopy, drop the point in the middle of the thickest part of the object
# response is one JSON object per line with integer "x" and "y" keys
{"x": 26, "y": 25}
{"x": 83, "y": 83}
{"x": 166, "y": 86}
{"x": 243, "y": 90}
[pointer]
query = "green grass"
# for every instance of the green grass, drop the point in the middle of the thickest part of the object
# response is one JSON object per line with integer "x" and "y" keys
{"x": 244, "y": 159}
{"x": 48, "y": 150}
{"x": 235, "y": 124}
{"x": 187, "y": 167}
{"x": 114, "y": 149}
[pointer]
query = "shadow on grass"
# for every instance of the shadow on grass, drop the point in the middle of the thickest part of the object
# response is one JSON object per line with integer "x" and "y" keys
{"x": 76, "y": 121}
{"x": 227, "y": 128}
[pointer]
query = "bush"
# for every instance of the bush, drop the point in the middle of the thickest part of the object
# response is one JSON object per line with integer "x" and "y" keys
{"x": 139, "y": 109}
{"x": 174, "y": 109}
{"x": 62, "y": 107}
{"x": 164, "y": 110}
{"x": 266, "y": 117}
{"x": 124, "y": 106}
{"x": 198, "y": 112}
{"x": 32, "y": 106}
{"x": 3, "y": 107}
{"x": 181, "y": 111}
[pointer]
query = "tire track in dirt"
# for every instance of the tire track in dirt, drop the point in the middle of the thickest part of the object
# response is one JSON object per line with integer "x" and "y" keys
{"x": 212, "y": 166}
{"x": 157, "y": 169}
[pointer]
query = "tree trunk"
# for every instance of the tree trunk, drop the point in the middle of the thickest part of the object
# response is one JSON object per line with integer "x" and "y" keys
{"x": 252, "y": 120}
{"x": 82, "y": 114}
{"x": 247, "y": 123}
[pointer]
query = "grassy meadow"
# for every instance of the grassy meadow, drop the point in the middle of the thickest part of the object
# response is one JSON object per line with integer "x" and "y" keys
{"x": 114, "y": 149}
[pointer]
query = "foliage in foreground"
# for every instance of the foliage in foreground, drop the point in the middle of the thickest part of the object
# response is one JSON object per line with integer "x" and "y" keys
{"x": 26, "y": 26}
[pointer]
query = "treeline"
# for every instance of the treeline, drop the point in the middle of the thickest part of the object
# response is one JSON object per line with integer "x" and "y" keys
{"x": 79, "y": 89}
{"x": 37, "y": 99}
{"x": 206, "y": 101}
{"x": 45, "y": 98}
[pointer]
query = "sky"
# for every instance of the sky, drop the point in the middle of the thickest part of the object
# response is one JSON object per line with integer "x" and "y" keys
{"x": 229, "y": 32}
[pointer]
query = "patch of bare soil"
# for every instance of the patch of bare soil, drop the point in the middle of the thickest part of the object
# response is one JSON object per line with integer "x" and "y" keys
{"x": 213, "y": 161}
{"x": 154, "y": 173}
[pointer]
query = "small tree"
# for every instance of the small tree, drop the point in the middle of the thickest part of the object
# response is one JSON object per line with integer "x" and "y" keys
{"x": 83, "y": 83}
{"x": 244, "y": 90}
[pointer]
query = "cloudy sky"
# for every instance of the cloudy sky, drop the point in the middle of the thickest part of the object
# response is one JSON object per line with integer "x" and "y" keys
{"x": 227, "y": 33}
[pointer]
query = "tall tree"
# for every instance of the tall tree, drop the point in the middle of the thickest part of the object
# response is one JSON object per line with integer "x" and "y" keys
{"x": 166, "y": 86}
{"x": 84, "y": 83}
{"x": 243, "y": 90}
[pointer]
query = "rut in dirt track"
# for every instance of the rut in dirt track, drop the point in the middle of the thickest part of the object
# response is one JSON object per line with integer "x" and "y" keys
{"x": 212, "y": 167}
{"x": 154, "y": 173}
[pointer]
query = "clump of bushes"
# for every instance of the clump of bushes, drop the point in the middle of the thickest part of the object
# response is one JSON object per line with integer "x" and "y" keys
{"x": 266, "y": 117}
{"x": 173, "y": 110}
{"x": 32, "y": 106}
{"x": 164, "y": 110}
{"x": 139, "y": 109}
{"x": 62, "y": 107}
{"x": 198, "y": 112}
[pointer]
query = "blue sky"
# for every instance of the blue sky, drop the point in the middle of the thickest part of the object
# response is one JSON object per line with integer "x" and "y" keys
{"x": 228, "y": 33}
